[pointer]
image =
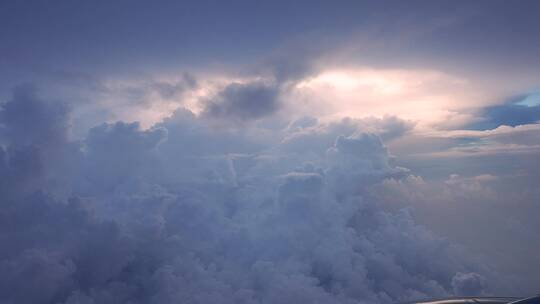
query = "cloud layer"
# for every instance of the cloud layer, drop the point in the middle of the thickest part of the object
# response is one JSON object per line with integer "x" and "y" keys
{"x": 185, "y": 212}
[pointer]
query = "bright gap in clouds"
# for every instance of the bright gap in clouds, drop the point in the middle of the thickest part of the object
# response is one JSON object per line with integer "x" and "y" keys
{"x": 430, "y": 98}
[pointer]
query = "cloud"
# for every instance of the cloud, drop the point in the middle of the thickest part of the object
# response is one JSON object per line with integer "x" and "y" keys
{"x": 470, "y": 284}
{"x": 496, "y": 215}
{"x": 146, "y": 99}
{"x": 243, "y": 102}
{"x": 116, "y": 152}
{"x": 53, "y": 248}
{"x": 148, "y": 185}
{"x": 28, "y": 120}
{"x": 521, "y": 110}
{"x": 309, "y": 135}
{"x": 186, "y": 212}
{"x": 36, "y": 150}
{"x": 521, "y": 139}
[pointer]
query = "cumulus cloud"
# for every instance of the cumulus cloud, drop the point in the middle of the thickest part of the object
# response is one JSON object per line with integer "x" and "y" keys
{"x": 308, "y": 134}
{"x": 184, "y": 212}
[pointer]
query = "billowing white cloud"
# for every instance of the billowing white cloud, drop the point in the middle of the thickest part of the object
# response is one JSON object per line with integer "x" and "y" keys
{"x": 187, "y": 212}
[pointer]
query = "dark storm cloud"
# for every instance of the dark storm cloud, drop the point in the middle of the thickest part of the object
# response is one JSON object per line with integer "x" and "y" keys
{"x": 244, "y": 102}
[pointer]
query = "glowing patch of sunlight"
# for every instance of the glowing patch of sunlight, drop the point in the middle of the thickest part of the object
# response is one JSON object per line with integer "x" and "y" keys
{"x": 425, "y": 96}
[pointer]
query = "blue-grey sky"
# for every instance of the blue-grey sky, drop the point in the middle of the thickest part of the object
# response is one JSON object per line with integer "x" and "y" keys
{"x": 104, "y": 35}
{"x": 268, "y": 151}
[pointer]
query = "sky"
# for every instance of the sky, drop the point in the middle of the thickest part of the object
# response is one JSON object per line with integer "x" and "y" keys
{"x": 268, "y": 152}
